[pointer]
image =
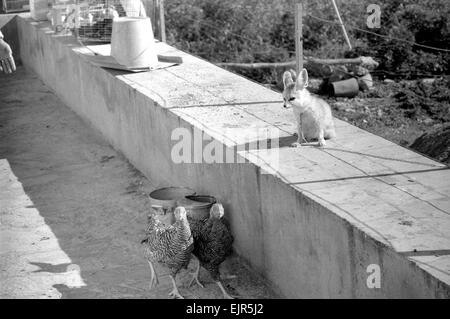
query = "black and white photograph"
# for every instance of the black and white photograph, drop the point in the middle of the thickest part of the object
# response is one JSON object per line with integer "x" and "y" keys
{"x": 228, "y": 153}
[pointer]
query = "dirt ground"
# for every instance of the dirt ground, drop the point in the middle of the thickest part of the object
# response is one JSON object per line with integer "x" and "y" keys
{"x": 93, "y": 201}
{"x": 380, "y": 113}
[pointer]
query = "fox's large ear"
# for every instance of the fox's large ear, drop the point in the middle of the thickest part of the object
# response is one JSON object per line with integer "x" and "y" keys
{"x": 294, "y": 74}
{"x": 302, "y": 80}
{"x": 287, "y": 78}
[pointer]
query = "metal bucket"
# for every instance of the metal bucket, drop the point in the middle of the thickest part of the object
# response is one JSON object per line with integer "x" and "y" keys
{"x": 168, "y": 196}
{"x": 132, "y": 42}
{"x": 197, "y": 206}
{"x": 346, "y": 88}
{"x": 165, "y": 200}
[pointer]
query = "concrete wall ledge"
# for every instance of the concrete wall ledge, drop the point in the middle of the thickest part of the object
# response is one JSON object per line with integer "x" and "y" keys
{"x": 316, "y": 226}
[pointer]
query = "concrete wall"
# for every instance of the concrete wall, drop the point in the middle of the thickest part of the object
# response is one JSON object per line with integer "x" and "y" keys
{"x": 300, "y": 241}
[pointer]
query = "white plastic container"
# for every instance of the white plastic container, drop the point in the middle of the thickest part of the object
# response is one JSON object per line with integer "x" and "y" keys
{"x": 39, "y": 9}
{"x": 133, "y": 43}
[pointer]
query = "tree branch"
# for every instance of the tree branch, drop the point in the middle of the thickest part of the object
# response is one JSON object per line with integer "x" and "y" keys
{"x": 367, "y": 62}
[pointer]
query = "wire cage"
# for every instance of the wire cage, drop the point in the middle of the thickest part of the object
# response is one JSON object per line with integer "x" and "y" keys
{"x": 96, "y": 17}
{"x": 10, "y": 6}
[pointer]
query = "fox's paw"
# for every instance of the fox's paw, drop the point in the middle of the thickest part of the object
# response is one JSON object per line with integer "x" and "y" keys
{"x": 296, "y": 144}
{"x": 322, "y": 143}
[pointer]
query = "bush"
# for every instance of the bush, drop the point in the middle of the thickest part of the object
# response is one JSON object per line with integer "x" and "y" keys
{"x": 263, "y": 31}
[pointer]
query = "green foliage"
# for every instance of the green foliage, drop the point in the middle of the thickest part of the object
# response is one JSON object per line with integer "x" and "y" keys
{"x": 263, "y": 31}
{"x": 425, "y": 24}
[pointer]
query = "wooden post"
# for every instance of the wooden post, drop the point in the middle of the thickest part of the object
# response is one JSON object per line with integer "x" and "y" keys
{"x": 299, "y": 35}
{"x": 155, "y": 17}
{"x": 342, "y": 24}
{"x": 155, "y": 11}
{"x": 162, "y": 21}
{"x": 148, "y": 5}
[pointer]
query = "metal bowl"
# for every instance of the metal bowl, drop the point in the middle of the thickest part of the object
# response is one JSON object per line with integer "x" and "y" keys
{"x": 197, "y": 206}
{"x": 168, "y": 196}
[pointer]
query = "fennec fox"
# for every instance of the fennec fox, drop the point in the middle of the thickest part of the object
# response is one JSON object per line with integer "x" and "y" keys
{"x": 313, "y": 115}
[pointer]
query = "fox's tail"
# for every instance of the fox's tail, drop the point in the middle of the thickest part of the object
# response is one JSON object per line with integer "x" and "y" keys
{"x": 330, "y": 133}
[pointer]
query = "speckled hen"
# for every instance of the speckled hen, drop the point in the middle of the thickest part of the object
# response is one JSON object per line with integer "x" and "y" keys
{"x": 213, "y": 243}
{"x": 170, "y": 246}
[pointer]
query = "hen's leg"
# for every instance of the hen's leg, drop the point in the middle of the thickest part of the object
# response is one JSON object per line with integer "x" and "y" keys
{"x": 225, "y": 294}
{"x": 195, "y": 275}
{"x": 303, "y": 138}
{"x": 175, "y": 293}
{"x": 154, "y": 277}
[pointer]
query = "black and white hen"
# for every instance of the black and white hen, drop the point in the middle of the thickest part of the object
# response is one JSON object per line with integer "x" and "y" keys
{"x": 169, "y": 245}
